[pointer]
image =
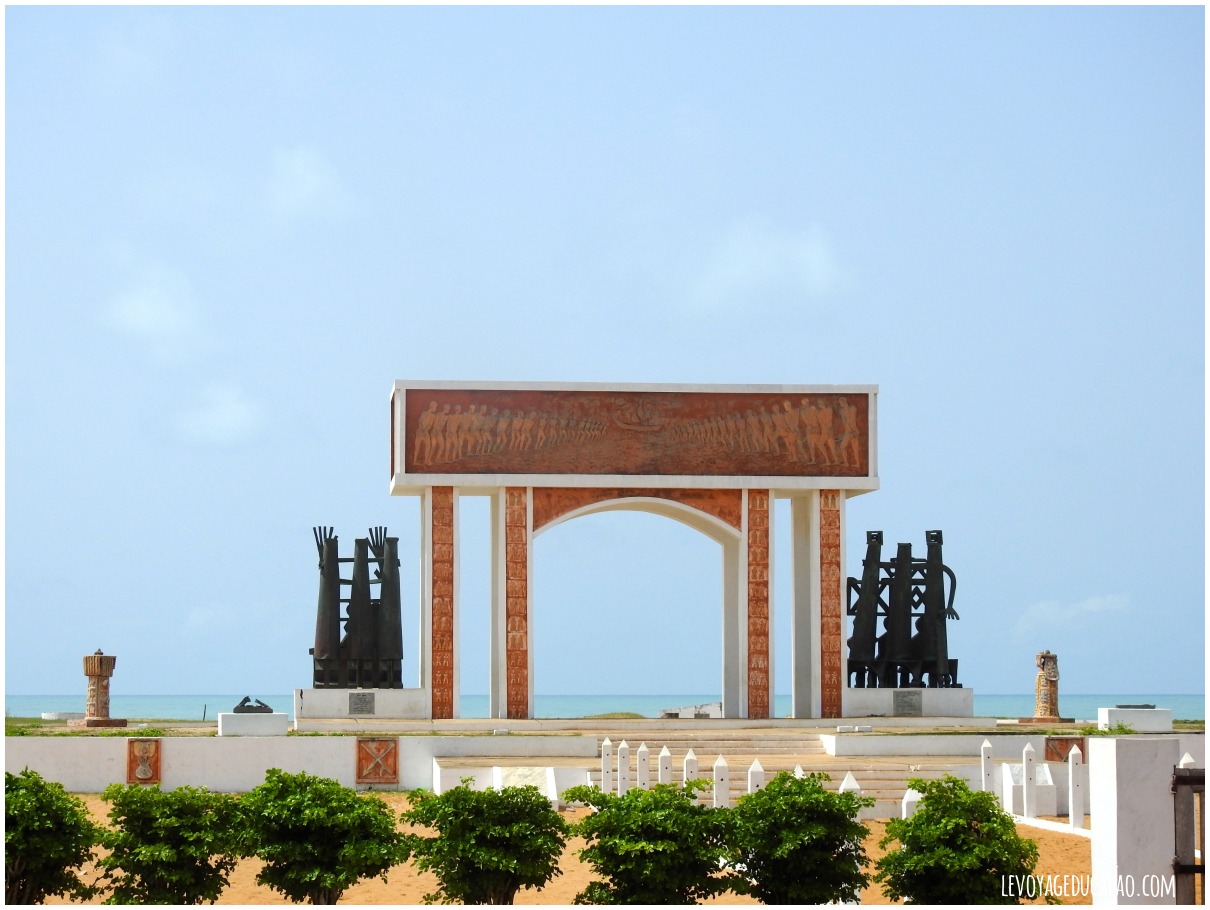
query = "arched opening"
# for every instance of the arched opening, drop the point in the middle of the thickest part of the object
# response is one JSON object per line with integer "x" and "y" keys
{"x": 627, "y": 610}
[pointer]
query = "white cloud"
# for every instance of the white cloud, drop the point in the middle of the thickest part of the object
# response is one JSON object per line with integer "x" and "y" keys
{"x": 302, "y": 185}
{"x": 220, "y": 414}
{"x": 158, "y": 308}
{"x": 1054, "y": 615}
{"x": 757, "y": 266}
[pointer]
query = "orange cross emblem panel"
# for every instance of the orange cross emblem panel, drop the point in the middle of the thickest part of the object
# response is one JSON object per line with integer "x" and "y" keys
{"x": 377, "y": 760}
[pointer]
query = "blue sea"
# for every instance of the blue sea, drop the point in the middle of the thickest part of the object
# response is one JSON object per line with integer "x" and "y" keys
{"x": 199, "y": 707}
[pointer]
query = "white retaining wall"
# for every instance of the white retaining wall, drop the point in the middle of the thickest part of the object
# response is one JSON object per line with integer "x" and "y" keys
{"x": 88, "y": 764}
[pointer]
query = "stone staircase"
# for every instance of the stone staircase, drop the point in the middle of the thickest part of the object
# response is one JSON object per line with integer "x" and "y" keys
{"x": 885, "y": 778}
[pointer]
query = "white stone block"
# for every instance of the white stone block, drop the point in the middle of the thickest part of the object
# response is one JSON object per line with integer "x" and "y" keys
{"x": 275, "y": 724}
{"x": 1130, "y": 801}
{"x": 1046, "y": 794}
{"x": 1012, "y": 787}
{"x": 1141, "y": 720}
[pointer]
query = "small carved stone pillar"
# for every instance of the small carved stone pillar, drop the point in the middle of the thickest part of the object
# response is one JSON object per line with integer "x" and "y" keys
{"x": 98, "y": 668}
{"x": 1046, "y": 687}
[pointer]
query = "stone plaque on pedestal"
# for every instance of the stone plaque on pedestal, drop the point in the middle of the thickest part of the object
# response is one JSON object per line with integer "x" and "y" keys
{"x": 907, "y": 703}
{"x": 361, "y": 702}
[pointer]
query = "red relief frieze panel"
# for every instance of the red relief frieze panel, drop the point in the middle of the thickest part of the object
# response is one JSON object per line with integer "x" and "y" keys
{"x": 830, "y": 631}
{"x": 442, "y": 537}
{"x": 519, "y": 431}
{"x": 551, "y": 503}
{"x": 516, "y": 602}
{"x": 758, "y": 603}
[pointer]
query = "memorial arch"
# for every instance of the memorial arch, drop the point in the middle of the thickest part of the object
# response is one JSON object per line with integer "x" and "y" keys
{"x": 712, "y": 457}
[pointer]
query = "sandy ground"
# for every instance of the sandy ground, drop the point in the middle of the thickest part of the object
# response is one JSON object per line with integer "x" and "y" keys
{"x": 1060, "y": 854}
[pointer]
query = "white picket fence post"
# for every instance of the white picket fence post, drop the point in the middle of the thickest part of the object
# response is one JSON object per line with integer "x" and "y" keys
{"x": 908, "y": 805}
{"x": 689, "y": 767}
{"x": 849, "y": 784}
{"x": 722, "y": 784}
{"x": 986, "y": 765}
{"x": 664, "y": 767}
{"x": 756, "y": 776}
{"x": 1075, "y": 787}
{"x": 798, "y": 772}
{"x": 606, "y": 765}
{"x": 1029, "y": 782}
{"x": 643, "y": 767}
{"x": 623, "y": 768}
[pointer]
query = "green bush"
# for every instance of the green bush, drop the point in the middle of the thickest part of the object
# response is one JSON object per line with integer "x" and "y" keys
{"x": 655, "y": 846}
{"x": 795, "y": 842}
{"x": 169, "y": 847}
{"x": 48, "y": 836}
{"x": 317, "y": 837}
{"x": 489, "y": 844}
{"x": 956, "y": 848}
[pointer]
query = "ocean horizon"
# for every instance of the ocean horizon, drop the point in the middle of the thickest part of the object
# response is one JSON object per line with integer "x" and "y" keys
{"x": 199, "y": 707}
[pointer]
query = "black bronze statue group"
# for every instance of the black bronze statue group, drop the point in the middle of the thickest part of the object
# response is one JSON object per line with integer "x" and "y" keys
{"x": 370, "y": 653}
{"x": 912, "y": 597}
{"x": 899, "y": 592}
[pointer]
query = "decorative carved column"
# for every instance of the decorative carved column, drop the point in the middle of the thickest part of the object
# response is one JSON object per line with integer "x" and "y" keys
{"x": 758, "y": 603}
{"x": 98, "y": 668}
{"x": 442, "y": 537}
{"x": 516, "y": 609}
{"x": 830, "y": 621}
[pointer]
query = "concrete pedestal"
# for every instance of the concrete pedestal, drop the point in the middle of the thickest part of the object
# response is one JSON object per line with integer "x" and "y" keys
{"x": 98, "y": 722}
{"x": 361, "y": 704}
{"x": 275, "y": 724}
{"x": 909, "y": 702}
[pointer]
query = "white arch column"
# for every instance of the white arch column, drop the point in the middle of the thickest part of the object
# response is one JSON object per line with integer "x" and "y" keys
{"x": 817, "y": 624}
{"x": 735, "y": 588}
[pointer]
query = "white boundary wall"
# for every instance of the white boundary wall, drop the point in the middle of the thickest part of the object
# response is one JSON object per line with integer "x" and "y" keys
{"x": 88, "y": 764}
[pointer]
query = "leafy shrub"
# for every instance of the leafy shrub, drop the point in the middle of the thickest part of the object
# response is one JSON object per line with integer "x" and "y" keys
{"x": 48, "y": 836}
{"x": 317, "y": 837}
{"x": 489, "y": 844}
{"x": 655, "y": 846}
{"x": 956, "y": 848}
{"x": 169, "y": 847}
{"x": 795, "y": 842}
{"x": 1115, "y": 729}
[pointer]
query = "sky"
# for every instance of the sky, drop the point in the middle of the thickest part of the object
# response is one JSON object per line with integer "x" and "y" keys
{"x": 229, "y": 231}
